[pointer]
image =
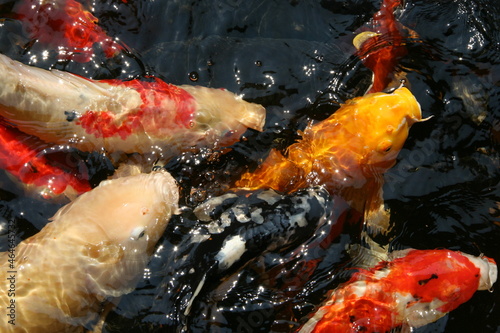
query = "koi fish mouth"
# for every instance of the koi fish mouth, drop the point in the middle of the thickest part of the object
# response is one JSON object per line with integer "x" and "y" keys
{"x": 487, "y": 268}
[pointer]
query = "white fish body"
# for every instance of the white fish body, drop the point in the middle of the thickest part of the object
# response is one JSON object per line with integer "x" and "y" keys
{"x": 95, "y": 248}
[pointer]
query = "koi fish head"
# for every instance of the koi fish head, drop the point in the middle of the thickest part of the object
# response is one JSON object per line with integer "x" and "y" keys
{"x": 441, "y": 280}
{"x": 134, "y": 211}
{"x": 223, "y": 116}
{"x": 378, "y": 125}
{"x": 116, "y": 226}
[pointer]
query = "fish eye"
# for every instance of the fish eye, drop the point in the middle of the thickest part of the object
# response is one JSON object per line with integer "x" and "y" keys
{"x": 384, "y": 147}
{"x": 138, "y": 233}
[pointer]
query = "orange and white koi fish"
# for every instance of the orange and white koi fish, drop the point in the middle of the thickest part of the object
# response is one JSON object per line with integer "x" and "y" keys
{"x": 131, "y": 116}
{"x": 347, "y": 153}
{"x": 414, "y": 289}
{"x": 67, "y": 26}
{"x": 95, "y": 248}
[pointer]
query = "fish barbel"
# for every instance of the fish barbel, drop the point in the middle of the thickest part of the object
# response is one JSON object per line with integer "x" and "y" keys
{"x": 94, "y": 249}
{"x": 127, "y": 116}
{"x": 415, "y": 289}
{"x": 348, "y": 152}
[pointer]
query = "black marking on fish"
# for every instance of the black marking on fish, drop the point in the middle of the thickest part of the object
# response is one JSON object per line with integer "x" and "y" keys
{"x": 263, "y": 221}
{"x": 71, "y": 115}
{"x": 425, "y": 281}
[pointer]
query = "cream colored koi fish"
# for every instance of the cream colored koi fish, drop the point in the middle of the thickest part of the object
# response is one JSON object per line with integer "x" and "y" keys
{"x": 94, "y": 249}
{"x": 134, "y": 116}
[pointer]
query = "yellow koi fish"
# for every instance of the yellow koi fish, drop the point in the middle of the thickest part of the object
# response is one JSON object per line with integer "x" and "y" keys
{"x": 94, "y": 249}
{"x": 347, "y": 153}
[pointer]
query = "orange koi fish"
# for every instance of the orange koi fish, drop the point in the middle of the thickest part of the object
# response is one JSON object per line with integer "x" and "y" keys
{"x": 347, "y": 153}
{"x": 112, "y": 115}
{"x": 65, "y": 24}
{"x": 383, "y": 46}
{"x": 416, "y": 288}
{"x": 24, "y": 163}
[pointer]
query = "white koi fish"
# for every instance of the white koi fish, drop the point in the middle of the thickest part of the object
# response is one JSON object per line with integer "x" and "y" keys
{"x": 94, "y": 249}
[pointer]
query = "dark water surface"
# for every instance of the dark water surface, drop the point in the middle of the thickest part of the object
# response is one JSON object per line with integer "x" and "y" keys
{"x": 296, "y": 58}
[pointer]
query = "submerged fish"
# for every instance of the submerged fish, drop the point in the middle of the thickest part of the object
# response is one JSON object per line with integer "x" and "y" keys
{"x": 416, "y": 288}
{"x": 66, "y": 26}
{"x": 348, "y": 152}
{"x": 18, "y": 157}
{"x": 129, "y": 116}
{"x": 381, "y": 47}
{"x": 94, "y": 249}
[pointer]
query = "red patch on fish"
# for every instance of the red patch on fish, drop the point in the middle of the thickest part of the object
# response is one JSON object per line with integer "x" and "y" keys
{"x": 381, "y": 298}
{"x": 382, "y": 53}
{"x": 422, "y": 276}
{"x": 19, "y": 158}
{"x": 67, "y": 25}
{"x": 150, "y": 117}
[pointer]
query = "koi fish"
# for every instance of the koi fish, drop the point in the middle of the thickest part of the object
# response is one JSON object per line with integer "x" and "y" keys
{"x": 251, "y": 222}
{"x": 220, "y": 236}
{"x": 32, "y": 168}
{"x": 65, "y": 24}
{"x": 381, "y": 47}
{"x": 348, "y": 152}
{"x": 95, "y": 248}
{"x": 131, "y": 116}
{"x": 416, "y": 288}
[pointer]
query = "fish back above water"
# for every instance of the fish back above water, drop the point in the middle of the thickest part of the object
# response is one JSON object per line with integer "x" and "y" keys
{"x": 129, "y": 116}
{"x": 95, "y": 248}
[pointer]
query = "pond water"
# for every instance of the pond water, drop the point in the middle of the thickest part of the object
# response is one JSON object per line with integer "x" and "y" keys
{"x": 296, "y": 58}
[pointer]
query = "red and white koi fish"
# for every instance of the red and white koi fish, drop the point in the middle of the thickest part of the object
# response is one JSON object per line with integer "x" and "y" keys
{"x": 65, "y": 24}
{"x": 21, "y": 160}
{"x": 416, "y": 288}
{"x": 347, "y": 152}
{"x": 112, "y": 115}
{"x": 96, "y": 248}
